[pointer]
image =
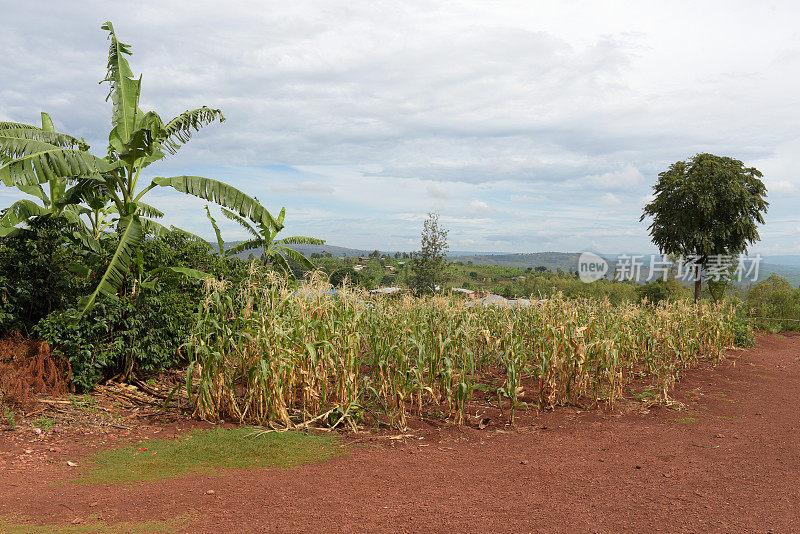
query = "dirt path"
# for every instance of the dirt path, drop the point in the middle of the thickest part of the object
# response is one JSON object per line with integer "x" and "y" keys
{"x": 728, "y": 462}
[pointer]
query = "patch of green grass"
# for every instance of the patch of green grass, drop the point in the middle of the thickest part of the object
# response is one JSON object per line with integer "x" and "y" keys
{"x": 8, "y": 415}
{"x": 649, "y": 392}
{"x": 86, "y": 403}
{"x": 685, "y": 420}
{"x": 206, "y": 451}
{"x": 45, "y": 423}
{"x": 18, "y": 525}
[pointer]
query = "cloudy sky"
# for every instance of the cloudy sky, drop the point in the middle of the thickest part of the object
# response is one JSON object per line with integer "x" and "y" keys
{"x": 530, "y": 126}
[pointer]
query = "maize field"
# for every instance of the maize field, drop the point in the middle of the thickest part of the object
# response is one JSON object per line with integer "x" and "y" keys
{"x": 271, "y": 355}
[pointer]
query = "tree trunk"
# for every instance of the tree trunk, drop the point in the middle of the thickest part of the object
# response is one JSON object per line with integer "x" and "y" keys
{"x": 697, "y": 284}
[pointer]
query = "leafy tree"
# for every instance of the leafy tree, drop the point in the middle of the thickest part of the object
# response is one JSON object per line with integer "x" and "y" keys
{"x": 706, "y": 206}
{"x": 338, "y": 276}
{"x": 275, "y": 251}
{"x": 429, "y": 265}
{"x": 32, "y": 156}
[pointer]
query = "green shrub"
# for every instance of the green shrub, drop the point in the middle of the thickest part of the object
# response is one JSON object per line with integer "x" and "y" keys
{"x": 743, "y": 335}
{"x": 35, "y": 275}
{"x": 661, "y": 289}
{"x": 338, "y": 276}
{"x": 773, "y": 304}
{"x": 121, "y": 334}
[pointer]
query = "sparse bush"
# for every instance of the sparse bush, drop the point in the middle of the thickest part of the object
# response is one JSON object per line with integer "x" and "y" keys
{"x": 773, "y": 304}
{"x": 743, "y": 334}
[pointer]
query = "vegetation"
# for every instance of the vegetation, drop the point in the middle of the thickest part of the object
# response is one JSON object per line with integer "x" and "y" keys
{"x": 275, "y": 251}
{"x": 85, "y": 265}
{"x": 105, "y": 190}
{"x": 93, "y": 525}
{"x": 139, "y": 332}
{"x": 267, "y": 354}
{"x": 773, "y": 304}
{"x": 706, "y": 206}
{"x": 207, "y": 451}
{"x": 36, "y": 274}
{"x": 428, "y": 266}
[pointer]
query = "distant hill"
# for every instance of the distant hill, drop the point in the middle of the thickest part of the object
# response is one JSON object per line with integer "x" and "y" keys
{"x": 307, "y": 250}
{"x": 790, "y": 272}
{"x": 787, "y": 259}
{"x": 784, "y": 266}
{"x": 332, "y": 249}
{"x": 550, "y": 260}
{"x": 787, "y": 266}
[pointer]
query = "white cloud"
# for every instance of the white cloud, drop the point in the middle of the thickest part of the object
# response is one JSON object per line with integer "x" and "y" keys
{"x": 478, "y": 208}
{"x": 610, "y": 199}
{"x": 527, "y": 198}
{"x": 476, "y": 110}
{"x": 303, "y": 187}
{"x": 625, "y": 177}
{"x": 781, "y": 187}
{"x": 438, "y": 191}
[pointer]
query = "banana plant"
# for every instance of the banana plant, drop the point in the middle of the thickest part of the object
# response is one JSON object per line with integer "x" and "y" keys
{"x": 274, "y": 251}
{"x": 220, "y": 241}
{"x": 33, "y": 156}
{"x": 55, "y": 201}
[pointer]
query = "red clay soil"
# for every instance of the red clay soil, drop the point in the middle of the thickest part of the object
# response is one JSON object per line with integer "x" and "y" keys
{"x": 728, "y": 462}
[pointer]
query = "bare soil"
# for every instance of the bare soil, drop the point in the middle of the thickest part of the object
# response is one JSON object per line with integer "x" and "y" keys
{"x": 725, "y": 457}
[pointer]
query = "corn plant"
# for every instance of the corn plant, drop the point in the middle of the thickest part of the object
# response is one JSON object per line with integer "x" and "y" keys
{"x": 272, "y": 354}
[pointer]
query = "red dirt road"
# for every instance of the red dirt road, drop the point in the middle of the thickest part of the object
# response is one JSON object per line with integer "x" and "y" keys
{"x": 728, "y": 462}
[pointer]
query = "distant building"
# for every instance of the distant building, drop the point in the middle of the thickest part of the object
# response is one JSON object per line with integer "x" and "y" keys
{"x": 467, "y": 292}
{"x": 388, "y": 290}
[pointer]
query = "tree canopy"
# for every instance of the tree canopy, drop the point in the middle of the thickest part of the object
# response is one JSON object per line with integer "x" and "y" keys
{"x": 706, "y": 206}
{"x": 428, "y": 266}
